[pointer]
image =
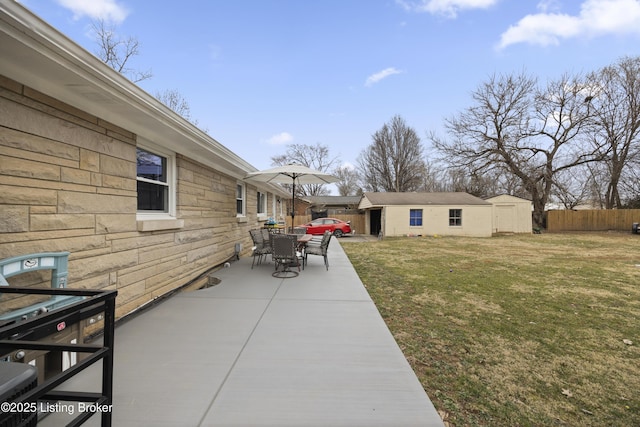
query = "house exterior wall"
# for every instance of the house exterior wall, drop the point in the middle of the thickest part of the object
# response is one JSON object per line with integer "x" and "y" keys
{"x": 511, "y": 215}
{"x": 68, "y": 183}
{"x": 476, "y": 221}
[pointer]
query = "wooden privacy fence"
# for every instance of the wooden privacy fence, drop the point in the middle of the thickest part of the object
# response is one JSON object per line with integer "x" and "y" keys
{"x": 357, "y": 220}
{"x": 592, "y": 220}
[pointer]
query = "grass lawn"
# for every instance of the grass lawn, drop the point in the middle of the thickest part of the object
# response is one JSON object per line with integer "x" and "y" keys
{"x": 535, "y": 330}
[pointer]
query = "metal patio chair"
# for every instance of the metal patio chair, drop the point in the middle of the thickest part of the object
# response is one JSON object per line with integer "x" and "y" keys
{"x": 285, "y": 254}
{"x": 321, "y": 249}
{"x": 261, "y": 246}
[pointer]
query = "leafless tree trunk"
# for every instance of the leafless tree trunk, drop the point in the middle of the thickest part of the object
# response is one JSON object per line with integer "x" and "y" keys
{"x": 616, "y": 103}
{"x": 516, "y": 127}
{"x": 563, "y": 111}
{"x": 348, "y": 184}
{"x": 116, "y": 52}
{"x": 394, "y": 160}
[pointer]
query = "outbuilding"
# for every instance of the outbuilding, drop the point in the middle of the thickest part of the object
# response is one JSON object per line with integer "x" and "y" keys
{"x": 423, "y": 214}
{"x": 511, "y": 214}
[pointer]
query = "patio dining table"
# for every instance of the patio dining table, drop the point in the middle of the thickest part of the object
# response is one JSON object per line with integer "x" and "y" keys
{"x": 303, "y": 239}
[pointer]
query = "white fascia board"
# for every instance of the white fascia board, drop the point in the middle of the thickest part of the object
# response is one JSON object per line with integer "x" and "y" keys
{"x": 37, "y": 55}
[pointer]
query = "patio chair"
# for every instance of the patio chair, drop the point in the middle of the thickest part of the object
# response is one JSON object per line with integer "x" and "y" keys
{"x": 285, "y": 254}
{"x": 261, "y": 247}
{"x": 266, "y": 236}
{"x": 315, "y": 248}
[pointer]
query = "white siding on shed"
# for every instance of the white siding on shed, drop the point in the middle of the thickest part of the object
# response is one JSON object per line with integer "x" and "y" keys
{"x": 511, "y": 214}
{"x": 476, "y": 221}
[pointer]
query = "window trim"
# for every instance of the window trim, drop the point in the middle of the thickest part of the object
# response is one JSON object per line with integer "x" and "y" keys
{"x": 455, "y": 220}
{"x": 170, "y": 213}
{"x": 412, "y": 218}
{"x": 243, "y": 198}
{"x": 261, "y": 204}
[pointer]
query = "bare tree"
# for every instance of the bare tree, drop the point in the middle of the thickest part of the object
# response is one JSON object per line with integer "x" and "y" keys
{"x": 174, "y": 100}
{"x": 313, "y": 156}
{"x": 629, "y": 184}
{"x": 116, "y": 52}
{"x": 433, "y": 178}
{"x": 348, "y": 184}
{"x": 478, "y": 184}
{"x": 394, "y": 160}
{"x": 573, "y": 187}
{"x": 616, "y": 102}
{"x": 517, "y": 128}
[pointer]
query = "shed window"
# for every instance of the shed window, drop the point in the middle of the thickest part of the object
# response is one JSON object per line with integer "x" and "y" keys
{"x": 455, "y": 217}
{"x": 415, "y": 217}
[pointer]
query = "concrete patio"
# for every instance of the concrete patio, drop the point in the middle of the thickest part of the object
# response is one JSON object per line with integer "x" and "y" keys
{"x": 259, "y": 351}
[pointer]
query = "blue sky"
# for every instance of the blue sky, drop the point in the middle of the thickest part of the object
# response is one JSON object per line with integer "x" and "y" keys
{"x": 260, "y": 74}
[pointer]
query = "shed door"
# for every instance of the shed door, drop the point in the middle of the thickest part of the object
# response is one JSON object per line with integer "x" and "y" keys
{"x": 375, "y": 221}
{"x": 505, "y": 218}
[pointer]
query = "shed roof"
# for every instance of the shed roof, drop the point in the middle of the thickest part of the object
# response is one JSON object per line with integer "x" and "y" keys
{"x": 507, "y": 197}
{"x": 419, "y": 199}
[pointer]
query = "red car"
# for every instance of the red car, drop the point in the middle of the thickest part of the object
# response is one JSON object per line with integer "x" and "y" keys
{"x": 338, "y": 227}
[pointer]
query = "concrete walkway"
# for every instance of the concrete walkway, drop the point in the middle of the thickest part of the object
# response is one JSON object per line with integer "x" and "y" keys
{"x": 259, "y": 351}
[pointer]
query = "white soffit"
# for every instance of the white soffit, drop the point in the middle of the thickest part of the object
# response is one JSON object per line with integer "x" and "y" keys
{"x": 37, "y": 55}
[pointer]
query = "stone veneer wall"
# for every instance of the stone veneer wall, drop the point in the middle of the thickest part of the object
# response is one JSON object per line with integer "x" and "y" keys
{"x": 68, "y": 183}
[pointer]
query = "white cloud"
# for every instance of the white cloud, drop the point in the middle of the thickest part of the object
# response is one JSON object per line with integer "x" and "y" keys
{"x": 546, "y": 6}
{"x": 541, "y": 29}
{"x": 375, "y": 78}
{"x": 449, "y": 8}
{"x": 280, "y": 139}
{"x": 108, "y": 10}
{"x": 596, "y": 18}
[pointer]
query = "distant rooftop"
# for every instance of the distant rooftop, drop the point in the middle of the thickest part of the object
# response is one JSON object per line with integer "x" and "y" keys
{"x": 334, "y": 200}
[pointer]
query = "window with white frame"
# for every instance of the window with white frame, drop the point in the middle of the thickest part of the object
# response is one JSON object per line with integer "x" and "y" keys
{"x": 262, "y": 203}
{"x": 455, "y": 217}
{"x": 240, "y": 200}
{"x": 155, "y": 185}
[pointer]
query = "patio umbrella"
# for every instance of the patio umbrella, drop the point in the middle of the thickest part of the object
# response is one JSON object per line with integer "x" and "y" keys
{"x": 293, "y": 174}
